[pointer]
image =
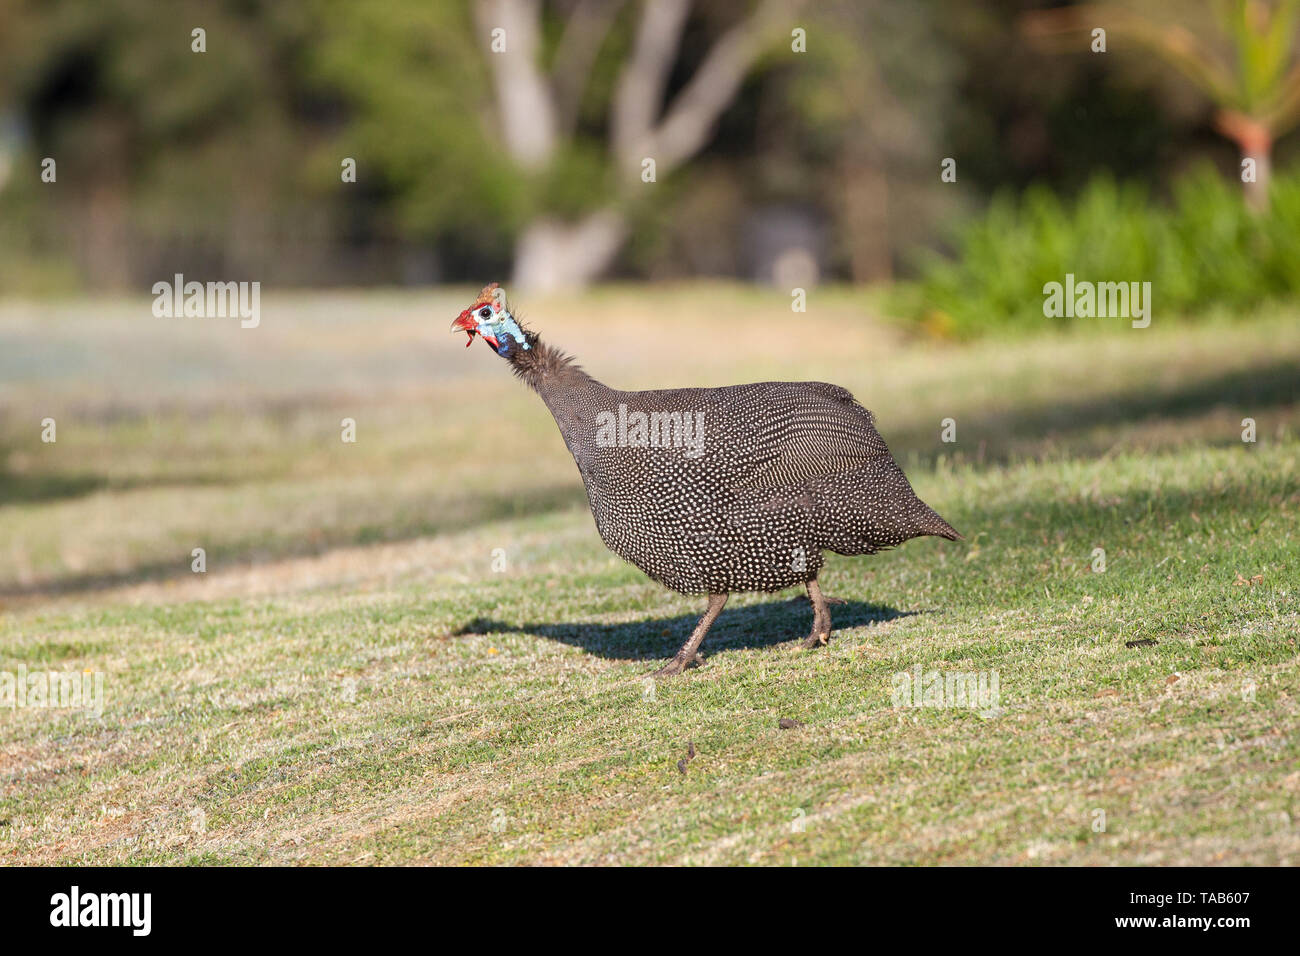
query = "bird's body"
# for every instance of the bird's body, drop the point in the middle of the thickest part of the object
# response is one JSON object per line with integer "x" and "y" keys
{"x": 714, "y": 490}
{"x": 738, "y": 488}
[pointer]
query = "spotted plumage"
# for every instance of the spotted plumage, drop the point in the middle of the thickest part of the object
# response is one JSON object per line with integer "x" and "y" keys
{"x": 714, "y": 490}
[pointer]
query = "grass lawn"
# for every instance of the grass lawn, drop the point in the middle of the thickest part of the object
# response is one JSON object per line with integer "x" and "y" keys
{"x": 415, "y": 649}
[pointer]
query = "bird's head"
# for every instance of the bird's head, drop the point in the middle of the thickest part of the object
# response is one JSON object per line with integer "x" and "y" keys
{"x": 489, "y": 318}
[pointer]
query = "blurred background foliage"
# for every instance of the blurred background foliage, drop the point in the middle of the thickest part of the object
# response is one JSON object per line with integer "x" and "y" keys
{"x": 774, "y": 165}
{"x": 1203, "y": 251}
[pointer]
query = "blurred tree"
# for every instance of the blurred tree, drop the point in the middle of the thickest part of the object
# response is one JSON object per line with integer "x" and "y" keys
{"x": 1255, "y": 88}
{"x": 867, "y": 117}
{"x": 493, "y": 111}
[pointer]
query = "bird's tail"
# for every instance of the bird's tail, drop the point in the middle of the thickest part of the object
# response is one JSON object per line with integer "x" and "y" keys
{"x": 928, "y": 522}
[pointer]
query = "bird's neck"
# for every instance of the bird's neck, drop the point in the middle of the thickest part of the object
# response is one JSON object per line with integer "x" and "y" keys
{"x": 563, "y": 385}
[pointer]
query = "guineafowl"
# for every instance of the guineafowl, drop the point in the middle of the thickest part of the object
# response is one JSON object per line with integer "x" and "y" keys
{"x": 714, "y": 490}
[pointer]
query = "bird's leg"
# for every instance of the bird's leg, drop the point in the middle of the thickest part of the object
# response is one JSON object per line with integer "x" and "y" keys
{"x": 821, "y": 629}
{"x": 828, "y": 598}
{"x": 687, "y": 654}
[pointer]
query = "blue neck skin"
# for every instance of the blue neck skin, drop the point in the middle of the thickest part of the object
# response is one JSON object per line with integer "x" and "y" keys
{"x": 509, "y": 329}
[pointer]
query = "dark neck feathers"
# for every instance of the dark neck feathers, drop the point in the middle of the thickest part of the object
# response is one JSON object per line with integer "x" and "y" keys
{"x": 571, "y": 395}
{"x": 545, "y": 369}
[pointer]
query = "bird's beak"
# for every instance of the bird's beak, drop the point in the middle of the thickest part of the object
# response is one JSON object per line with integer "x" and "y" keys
{"x": 465, "y": 323}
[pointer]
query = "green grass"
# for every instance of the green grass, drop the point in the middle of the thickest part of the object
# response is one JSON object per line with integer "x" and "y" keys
{"x": 352, "y": 682}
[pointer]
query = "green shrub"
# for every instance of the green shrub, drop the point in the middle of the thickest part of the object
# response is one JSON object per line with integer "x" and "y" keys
{"x": 1202, "y": 250}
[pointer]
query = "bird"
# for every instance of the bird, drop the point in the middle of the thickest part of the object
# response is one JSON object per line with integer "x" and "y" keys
{"x": 712, "y": 491}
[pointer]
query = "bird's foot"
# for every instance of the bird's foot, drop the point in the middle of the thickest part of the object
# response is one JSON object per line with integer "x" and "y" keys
{"x": 816, "y": 639}
{"x": 679, "y": 664}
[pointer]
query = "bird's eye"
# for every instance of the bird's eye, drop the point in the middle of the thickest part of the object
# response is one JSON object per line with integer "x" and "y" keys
{"x": 484, "y": 312}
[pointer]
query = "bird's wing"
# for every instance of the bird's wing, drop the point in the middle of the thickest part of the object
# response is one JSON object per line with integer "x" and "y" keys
{"x": 805, "y": 430}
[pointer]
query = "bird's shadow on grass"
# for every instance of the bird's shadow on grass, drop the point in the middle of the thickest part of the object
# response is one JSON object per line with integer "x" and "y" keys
{"x": 753, "y": 625}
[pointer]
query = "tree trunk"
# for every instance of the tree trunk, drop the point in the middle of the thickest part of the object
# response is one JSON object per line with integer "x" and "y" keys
{"x": 1257, "y": 191}
{"x": 551, "y": 255}
{"x": 1254, "y": 141}
{"x": 865, "y": 192}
